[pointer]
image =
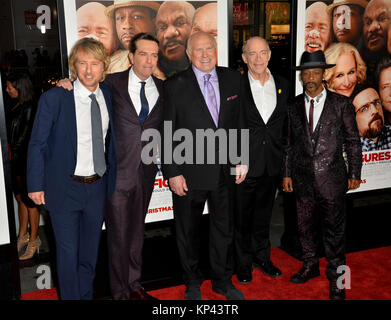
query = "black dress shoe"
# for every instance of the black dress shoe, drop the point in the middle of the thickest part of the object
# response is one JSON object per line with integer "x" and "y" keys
{"x": 244, "y": 275}
{"x": 335, "y": 292}
{"x": 267, "y": 268}
{"x": 306, "y": 273}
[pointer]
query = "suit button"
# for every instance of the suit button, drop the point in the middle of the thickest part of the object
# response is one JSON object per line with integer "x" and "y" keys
{"x": 263, "y": 142}
{"x": 313, "y": 141}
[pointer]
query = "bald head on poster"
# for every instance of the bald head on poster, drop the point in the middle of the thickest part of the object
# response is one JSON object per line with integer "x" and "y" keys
{"x": 317, "y": 27}
{"x": 92, "y": 22}
{"x": 205, "y": 19}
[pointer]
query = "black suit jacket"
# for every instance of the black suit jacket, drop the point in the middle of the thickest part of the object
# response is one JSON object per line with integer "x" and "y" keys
{"x": 266, "y": 140}
{"x": 316, "y": 159}
{"x": 185, "y": 108}
{"x": 129, "y": 129}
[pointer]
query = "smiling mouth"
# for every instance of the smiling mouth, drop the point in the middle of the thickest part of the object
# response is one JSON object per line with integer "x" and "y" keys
{"x": 314, "y": 46}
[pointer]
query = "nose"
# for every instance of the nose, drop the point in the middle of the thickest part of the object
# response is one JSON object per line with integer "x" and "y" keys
{"x": 171, "y": 32}
{"x": 375, "y": 25}
{"x": 345, "y": 81}
{"x": 314, "y": 33}
{"x": 127, "y": 23}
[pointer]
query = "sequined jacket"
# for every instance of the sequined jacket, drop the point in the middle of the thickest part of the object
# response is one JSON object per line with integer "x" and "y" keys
{"x": 316, "y": 160}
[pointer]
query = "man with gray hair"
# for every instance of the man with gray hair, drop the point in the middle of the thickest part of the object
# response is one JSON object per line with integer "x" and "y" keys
{"x": 264, "y": 100}
{"x": 204, "y": 97}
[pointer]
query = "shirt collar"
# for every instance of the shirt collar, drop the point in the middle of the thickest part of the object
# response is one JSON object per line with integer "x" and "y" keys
{"x": 253, "y": 81}
{"x": 83, "y": 92}
{"x": 200, "y": 74}
{"x": 134, "y": 79}
{"x": 317, "y": 98}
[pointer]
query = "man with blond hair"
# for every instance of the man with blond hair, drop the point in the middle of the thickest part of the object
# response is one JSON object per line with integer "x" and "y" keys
{"x": 72, "y": 166}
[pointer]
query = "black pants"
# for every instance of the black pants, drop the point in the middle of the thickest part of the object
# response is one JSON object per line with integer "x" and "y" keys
{"x": 254, "y": 205}
{"x": 187, "y": 215}
{"x": 330, "y": 213}
{"x": 125, "y": 237}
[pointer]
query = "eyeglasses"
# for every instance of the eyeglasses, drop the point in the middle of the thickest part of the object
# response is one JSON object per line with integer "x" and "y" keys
{"x": 366, "y": 107}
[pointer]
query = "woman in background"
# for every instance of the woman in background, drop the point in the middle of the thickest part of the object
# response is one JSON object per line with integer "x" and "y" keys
{"x": 20, "y": 120}
{"x": 349, "y": 71}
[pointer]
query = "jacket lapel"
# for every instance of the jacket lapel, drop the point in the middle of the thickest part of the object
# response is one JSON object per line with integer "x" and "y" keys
{"x": 123, "y": 87}
{"x": 251, "y": 98}
{"x": 278, "y": 97}
{"x": 70, "y": 111}
{"x": 303, "y": 118}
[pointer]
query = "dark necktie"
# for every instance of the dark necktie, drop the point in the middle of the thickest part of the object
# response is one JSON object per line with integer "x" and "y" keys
{"x": 311, "y": 116}
{"x": 210, "y": 99}
{"x": 98, "y": 152}
{"x": 144, "y": 103}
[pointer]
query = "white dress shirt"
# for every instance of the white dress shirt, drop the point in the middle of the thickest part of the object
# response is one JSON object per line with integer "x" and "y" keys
{"x": 84, "y": 162}
{"x": 319, "y": 101}
{"x": 134, "y": 87}
{"x": 265, "y": 97}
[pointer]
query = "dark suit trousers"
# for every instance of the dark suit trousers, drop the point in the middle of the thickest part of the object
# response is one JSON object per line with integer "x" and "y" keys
{"x": 125, "y": 221}
{"x": 254, "y": 205}
{"x": 77, "y": 229}
{"x": 187, "y": 215}
{"x": 330, "y": 213}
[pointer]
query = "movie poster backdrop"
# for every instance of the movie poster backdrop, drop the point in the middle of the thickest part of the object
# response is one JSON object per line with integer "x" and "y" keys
{"x": 356, "y": 36}
{"x": 107, "y": 22}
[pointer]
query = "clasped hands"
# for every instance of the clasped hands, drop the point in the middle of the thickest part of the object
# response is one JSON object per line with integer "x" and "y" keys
{"x": 179, "y": 187}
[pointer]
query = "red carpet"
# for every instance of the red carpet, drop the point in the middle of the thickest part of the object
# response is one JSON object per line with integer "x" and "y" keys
{"x": 370, "y": 280}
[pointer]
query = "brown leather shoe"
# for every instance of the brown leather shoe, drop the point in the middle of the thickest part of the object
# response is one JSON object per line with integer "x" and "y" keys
{"x": 140, "y": 294}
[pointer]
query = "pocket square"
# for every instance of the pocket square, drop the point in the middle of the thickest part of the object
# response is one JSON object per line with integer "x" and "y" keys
{"x": 232, "y": 97}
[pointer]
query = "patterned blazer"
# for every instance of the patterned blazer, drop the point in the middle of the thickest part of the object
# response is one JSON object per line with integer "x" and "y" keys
{"x": 316, "y": 160}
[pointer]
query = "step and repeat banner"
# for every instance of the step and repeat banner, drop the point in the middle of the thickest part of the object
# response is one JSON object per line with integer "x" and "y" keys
{"x": 356, "y": 36}
{"x": 172, "y": 22}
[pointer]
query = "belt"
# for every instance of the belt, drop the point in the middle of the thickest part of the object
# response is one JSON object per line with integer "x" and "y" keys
{"x": 85, "y": 180}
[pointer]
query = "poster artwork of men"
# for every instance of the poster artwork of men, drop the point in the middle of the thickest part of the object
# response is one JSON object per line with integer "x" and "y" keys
{"x": 356, "y": 36}
{"x": 114, "y": 23}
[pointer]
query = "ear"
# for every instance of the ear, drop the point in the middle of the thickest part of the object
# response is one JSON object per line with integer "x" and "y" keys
{"x": 188, "y": 54}
{"x": 244, "y": 58}
{"x": 131, "y": 57}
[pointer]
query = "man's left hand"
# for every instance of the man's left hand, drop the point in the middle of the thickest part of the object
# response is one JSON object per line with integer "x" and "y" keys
{"x": 353, "y": 184}
{"x": 241, "y": 172}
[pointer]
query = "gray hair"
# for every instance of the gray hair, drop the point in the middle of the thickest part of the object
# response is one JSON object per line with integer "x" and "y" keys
{"x": 197, "y": 34}
{"x": 255, "y": 37}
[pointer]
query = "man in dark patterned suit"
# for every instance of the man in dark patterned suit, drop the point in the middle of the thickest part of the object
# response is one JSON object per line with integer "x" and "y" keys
{"x": 320, "y": 122}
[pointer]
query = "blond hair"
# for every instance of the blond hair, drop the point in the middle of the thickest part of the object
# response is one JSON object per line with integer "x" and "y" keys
{"x": 91, "y": 47}
{"x": 334, "y": 51}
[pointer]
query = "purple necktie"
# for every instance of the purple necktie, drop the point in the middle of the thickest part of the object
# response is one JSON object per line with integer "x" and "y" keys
{"x": 210, "y": 98}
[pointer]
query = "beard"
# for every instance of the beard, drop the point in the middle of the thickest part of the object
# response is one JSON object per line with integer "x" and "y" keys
{"x": 374, "y": 131}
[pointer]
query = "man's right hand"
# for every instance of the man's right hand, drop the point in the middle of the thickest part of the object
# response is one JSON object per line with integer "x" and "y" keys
{"x": 65, "y": 83}
{"x": 287, "y": 185}
{"x": 38, "y": 197}
{"x": 178, "y": 185}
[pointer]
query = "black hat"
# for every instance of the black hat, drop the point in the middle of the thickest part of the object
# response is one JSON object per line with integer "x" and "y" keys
{"x": 310, "y": 60}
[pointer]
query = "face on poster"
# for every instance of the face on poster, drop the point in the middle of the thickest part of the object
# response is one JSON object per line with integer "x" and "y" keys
{"x": 355, "y": 36}
{"x": 115, "y": 23}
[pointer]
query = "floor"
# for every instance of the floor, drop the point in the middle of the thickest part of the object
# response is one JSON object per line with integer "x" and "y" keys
{"x": 161, "y": 265}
